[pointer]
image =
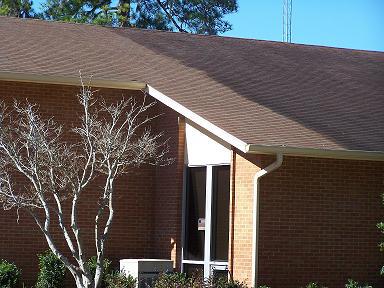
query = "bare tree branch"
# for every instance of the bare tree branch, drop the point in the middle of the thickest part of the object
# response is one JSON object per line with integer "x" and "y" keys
{"x": 113, "y": 139}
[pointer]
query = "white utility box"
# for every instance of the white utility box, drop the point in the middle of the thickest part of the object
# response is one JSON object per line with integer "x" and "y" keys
{"x": 145, "y": 270}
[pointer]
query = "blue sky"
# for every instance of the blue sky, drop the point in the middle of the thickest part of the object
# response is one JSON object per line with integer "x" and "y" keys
{"x": 357, "y": 24}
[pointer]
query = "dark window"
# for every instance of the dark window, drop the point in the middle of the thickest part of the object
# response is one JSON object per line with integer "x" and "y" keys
{"x": 195, "y": 211}
{"x": 220, "y": 213}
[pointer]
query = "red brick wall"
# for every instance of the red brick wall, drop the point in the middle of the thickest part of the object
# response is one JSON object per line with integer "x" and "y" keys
{"x": 241, "y": 234}
{"x": 317, "y": 221}
{"x": 167, "y": 204}
{"x": 317, "y": 216}
{"x": 132, "y": 234}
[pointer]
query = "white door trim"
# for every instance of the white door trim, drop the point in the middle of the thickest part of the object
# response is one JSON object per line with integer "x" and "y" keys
{"x": 207, "y": 262}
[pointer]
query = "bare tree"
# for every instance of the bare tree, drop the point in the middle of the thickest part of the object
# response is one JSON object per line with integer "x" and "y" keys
{"x": 112, "y": 139}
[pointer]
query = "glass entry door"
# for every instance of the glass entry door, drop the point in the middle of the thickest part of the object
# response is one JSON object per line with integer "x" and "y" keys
{"x": 206, "y": 220}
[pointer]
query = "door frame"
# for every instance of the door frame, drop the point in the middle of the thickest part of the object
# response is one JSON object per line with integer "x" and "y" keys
{"x": 207, "y": 263}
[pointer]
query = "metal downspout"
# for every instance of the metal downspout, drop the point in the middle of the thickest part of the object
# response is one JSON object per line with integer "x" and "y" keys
{"x": 256, "y": 192}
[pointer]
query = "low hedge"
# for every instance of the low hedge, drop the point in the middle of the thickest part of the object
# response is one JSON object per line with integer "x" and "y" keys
{"x": 9, "y": 274}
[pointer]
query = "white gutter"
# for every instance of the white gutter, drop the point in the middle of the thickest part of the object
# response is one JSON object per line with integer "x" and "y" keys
{"x": 256, "y": 206}
{"x": 316, "y": 152}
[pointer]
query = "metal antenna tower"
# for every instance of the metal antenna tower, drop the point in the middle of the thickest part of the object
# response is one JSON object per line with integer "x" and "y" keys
{"x": 287, "y": 21}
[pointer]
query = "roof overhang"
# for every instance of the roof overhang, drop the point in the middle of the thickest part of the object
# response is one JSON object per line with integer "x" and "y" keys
{"x": 262, "y": 149}
{"x": 319, "y": 153}
{"x": 200, "y": 121}
{"x": 73, "y": 81}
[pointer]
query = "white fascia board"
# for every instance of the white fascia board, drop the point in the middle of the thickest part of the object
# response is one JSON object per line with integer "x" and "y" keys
{"x": 232, "y": 140}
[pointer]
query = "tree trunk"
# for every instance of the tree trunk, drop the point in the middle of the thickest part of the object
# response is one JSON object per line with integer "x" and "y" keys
{"x": 98, "y": 276}
{"x": 83, "y": 282}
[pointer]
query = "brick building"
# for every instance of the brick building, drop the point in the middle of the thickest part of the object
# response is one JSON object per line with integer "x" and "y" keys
{"x": 278, "y": 149}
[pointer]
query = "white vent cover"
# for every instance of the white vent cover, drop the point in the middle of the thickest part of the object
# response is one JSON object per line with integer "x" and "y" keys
{"x": 145, "y": 270}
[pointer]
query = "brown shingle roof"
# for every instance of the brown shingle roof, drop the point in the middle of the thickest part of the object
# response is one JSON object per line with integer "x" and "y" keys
{"x": 265, "y": 93}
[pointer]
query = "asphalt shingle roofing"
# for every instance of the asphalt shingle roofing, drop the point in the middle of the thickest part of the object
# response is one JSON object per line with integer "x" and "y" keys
{"x": 261, "y": 92}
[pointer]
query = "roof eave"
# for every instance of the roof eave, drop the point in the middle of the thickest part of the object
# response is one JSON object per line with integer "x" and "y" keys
{"x": 73, "y": 81}
{"x": 318, "y": 153}
{"x": 130, "y": 85}
{"x": 237, "y": 143}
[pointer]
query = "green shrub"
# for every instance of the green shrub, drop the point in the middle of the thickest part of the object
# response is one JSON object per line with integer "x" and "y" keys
{"x": 52, "y": 271}
{"x": 9, "y": 274}
{"x": 92, "y": 264}
{"x": 118, "y": 279}
{"x": 223, "y": 282}
{"x": 354, "y": 284}
{"x": 236, "y": 284}
{"x": 180, "y": 280}
{"x": 175, "y": 280}
{"x": 380, "y": 226}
